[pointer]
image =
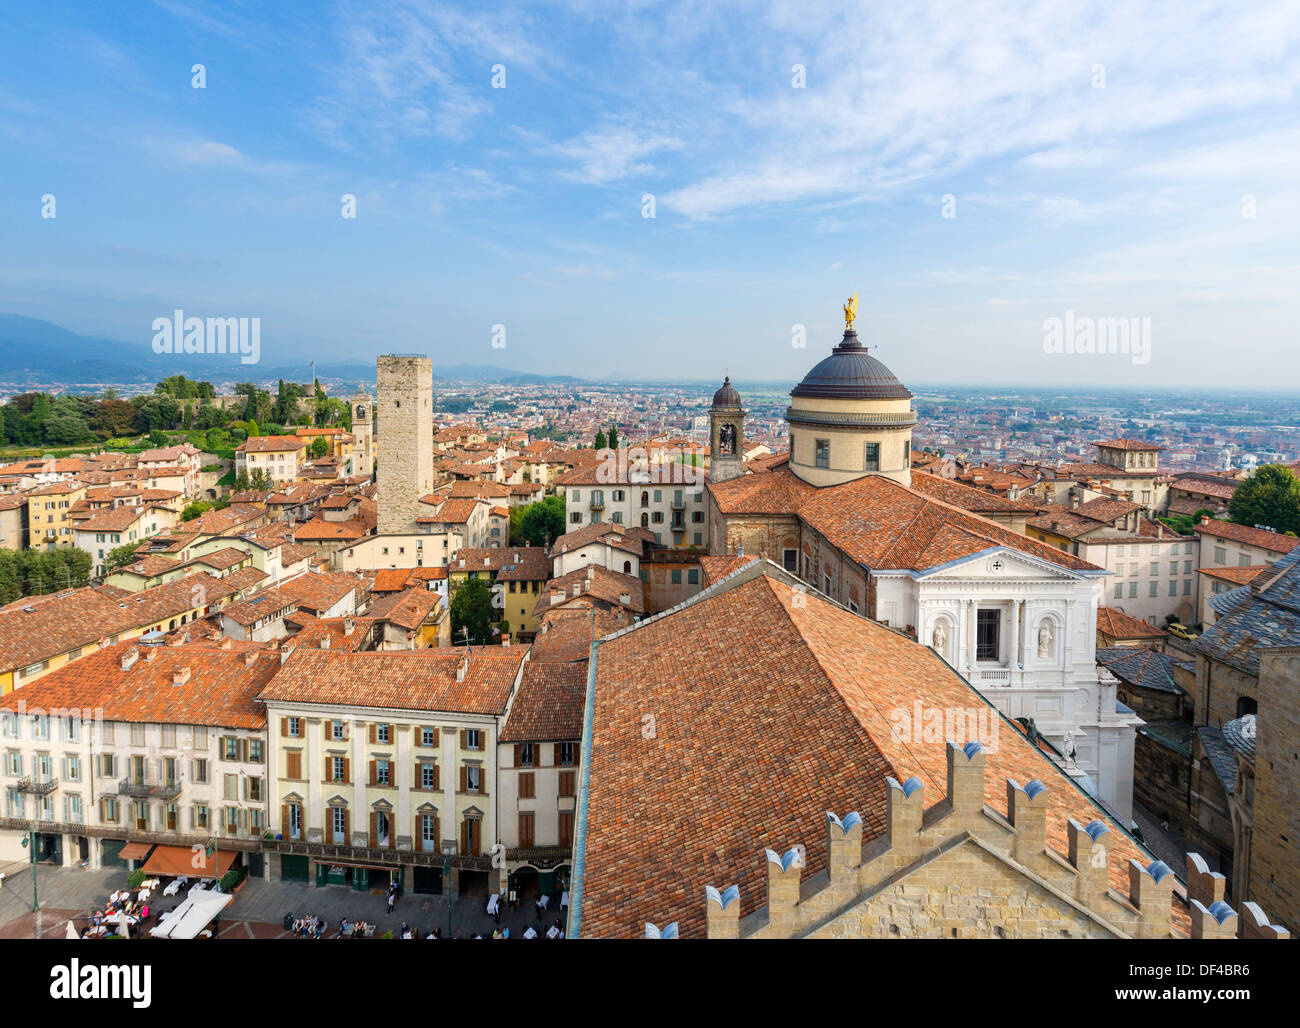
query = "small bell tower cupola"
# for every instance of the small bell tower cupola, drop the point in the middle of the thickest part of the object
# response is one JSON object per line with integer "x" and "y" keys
{"x": 726, "y": 434}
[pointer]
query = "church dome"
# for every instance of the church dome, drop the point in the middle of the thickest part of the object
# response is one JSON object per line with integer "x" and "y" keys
{"x": 850, "y": 373}
{"x": 726, "y": 396}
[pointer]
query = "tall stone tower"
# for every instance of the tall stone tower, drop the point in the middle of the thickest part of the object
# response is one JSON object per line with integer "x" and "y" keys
{"x": 363, "y": 434}
{"x": 726, "y": 434}
{"x": 406, "y": 472}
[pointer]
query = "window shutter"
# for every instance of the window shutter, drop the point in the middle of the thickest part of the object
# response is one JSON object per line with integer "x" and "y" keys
{"x": 327, "y": 769}
{"x": 284, "y": 727}
{"x": 194, "y": 817}
{"x": 436, "y": 776}
{"x": 374, "y": 827}
{"x": 516, "y": 754}
{"x": 435, "y": 737}
{"x": 464, "y": 778}
{"x": 347, "y": 828}
{"x": 464, "y": 739}
{"x": 347, "y": 769}
{"x": 284, "y": 820}
{"x": 374, "y": 778}
{"x": 555, "y": 754}
{"x": 373, "y": 731}
{"x": 347, "y": 730}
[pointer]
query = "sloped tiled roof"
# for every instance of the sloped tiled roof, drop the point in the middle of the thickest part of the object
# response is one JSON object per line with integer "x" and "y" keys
{"x": 549, "y": 704}
{"x": 1142, "y": 667}
{"x": 1118, "y": 625}
{"x": 752, "y": 744}
{"x": 1267, "y": 614}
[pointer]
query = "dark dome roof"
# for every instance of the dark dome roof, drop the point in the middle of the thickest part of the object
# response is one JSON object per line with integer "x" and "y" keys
{"x": 851, "y": 373}
{"x": 726, "y": 396}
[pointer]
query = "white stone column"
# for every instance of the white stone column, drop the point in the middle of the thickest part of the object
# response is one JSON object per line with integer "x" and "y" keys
{"x": 1013, "y": 649}
{"x": 313, "y": 769}
{"x": 971, "y": 622}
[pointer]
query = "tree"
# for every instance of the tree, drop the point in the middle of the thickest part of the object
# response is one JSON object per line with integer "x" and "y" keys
{"x": 195, "y": 509}
{"x": 319, "y": 447}
{"x": 541, "y": 523}
{"x": 1271, "y": 496}
{"x": 613, "y": 437}
{"x": 242, "y": 483}
{"x": 261, "y": 480}
{"x": 471, "y": 608}
{"x": 65, "y": 423}
{"x": 601, "y": 441}
{"x": 119, "y": 557}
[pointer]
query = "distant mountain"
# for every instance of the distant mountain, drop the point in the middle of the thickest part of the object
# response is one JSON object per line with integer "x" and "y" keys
{"x": 37, "y": 352}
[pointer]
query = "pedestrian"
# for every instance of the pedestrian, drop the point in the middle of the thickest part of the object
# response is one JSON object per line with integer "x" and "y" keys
{"x": 392, "y": 897}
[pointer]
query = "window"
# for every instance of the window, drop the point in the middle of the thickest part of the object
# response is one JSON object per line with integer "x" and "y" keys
{"x": 473, "y": 778}
{"x": 1119, "y": 590}
{"x": 575, "y": 518}
{"x": 338, "y": 769}
{"x": 40, "y": 726}
{"x": 1220, "y": 555}
{"x": 1155, "y": 568}
{"x": 107, "y": 765}
{"x": 428, "y": 737}
{"x": 339, "y": 824}
{"x": 8, "y": 725}
{"x": 137, "y": 735}
{"x": 527, "y": 754}
{"x": 109, "y": 809}
{"x": 255, "y": 755}
{"x": 1153, "y": 588}
{"x": 72, "y": 729}
{"x": 230, "y": 787}
{"x": 987, "y": 625}
{"x": 1173, "y": 588}
{"x": 140, "y": 816}
{"x": 169, "y": 735}
{"x": 1187, "y": 587}
{"x": 429, "y": 832}
{"x": 693, "y": 576}
{"x": 826, "y": 584}
{"x": 383, "y": 733}
{"x": 677, "y": 576}
{"x": 1187, "y": 547}
{"x": 338, "y": 730}
{"x": 1187, "y": 567}
{"x": 72, "y": 768}
{"x": 74, "y": 809}
{"x": 565, "y": 755}
{"x": 1133, "y": 569}
{"x": 822, "y": 453}
{"x": 1243, "y": 560}
{"x": 200, "y": 738}
{"x": 697, "y": 517}
{"x": 472, "y": 739}
{"x": 1173, "y": 567}
{"x": 229, "y": 747}
{"x": 567, "y": 782}
{"x": 14, "y": 764}
{"x": 566, "y": 827}
{"x": 383, "y": 772}
{"x": 428, "y": 775}
{"x": 872, "y": 461}
{"x": 526, "y": 831}
{"x": 527, "y": 786}
{"x": 1119, "y": 550}
{"x": 200, "y": 771}
{"x": 253, "y": 788}
{"x": 1132, "y": 590}
{"x": 790, "y": 560}
{"x": 294, "y": 825}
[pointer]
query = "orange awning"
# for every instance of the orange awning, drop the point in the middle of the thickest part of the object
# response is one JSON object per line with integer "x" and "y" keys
{"x": 173, "y": 861}
{"x": 135, "y": 850}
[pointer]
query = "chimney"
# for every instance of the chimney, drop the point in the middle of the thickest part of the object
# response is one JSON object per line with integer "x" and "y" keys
{"x": 506, "y": 642}
{"x": 129, "y": 657}
{"x": 625, "y": 599}
{"x": 285, "y": 652}
{"x": 249, "y": 657}
{"x": 180, "y": 675}
{"x": 325, "y": 641}
{"x": 461, "y": 669}
{"x": 348, "y": 625}
{"x": 224, "y": 643}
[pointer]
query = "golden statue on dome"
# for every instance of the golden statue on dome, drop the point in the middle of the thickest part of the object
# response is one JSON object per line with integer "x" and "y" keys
{"x": 850, "y": 312}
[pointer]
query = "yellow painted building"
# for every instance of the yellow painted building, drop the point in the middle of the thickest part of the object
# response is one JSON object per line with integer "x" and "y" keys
{"x": 49, "y": 525}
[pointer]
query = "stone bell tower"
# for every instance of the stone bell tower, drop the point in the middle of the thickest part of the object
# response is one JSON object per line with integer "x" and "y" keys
{"x": 363, "y": 434}
{"x": 726, "y": 434}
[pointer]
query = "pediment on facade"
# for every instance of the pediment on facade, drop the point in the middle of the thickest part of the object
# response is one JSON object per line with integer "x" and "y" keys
{"x": 1002, "y": 563}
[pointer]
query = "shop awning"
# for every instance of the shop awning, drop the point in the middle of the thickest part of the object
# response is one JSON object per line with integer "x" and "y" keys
{"x": 135, "y": 850}
{"x": 193, "y": 915}
{"x": 172, "y": 861}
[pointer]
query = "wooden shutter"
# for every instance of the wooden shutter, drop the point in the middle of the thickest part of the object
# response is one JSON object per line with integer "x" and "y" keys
{"x": 374, "y": 770}
{"x": 526, "y": 831}
{"x": 347, "y": 769}
{"x": 566, "y": 783}
{"x": 284, "y": 727}
{"x": 373, "y": 732}
{"x": 435, "y": 737}
{"x": 374, "y": 824}
{"x": 347, "y": 828}
{"x": 555, "y": 754}
{"x": 566, "y": 828}
{"x": 284, "y": 820}
{"x": 516, "y": 754}
{"x": 527, "y": 789}
{"x": 327, "y": 768}
{"x": 293, "y": 765}
{"x": 464, "y": 739}
{"x": 464, "y": 778}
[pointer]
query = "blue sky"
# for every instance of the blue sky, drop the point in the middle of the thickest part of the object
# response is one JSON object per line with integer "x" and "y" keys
{"x": 1114, "y": 191}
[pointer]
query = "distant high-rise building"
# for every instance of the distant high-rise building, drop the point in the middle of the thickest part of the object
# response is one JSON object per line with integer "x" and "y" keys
{"x": 406, "y": 472}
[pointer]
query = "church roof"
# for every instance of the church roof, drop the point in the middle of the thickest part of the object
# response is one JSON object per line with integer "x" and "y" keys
{"x": 726, "y": 396}
{"x": 851, "y": 373}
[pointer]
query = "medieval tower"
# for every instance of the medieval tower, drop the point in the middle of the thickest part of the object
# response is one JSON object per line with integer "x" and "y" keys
{"x": 406, "y": 472}
{"x": 363, "y": 434}
{"x": 726, "y": 434}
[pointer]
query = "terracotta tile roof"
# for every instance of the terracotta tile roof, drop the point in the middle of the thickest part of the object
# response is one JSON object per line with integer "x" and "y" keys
{"x": 222, "y": 522}
{"x": 271, "y": 444}
{"x": 487, "y": 490}
{"x": 754, "y": 743}
{"x": 1273, "y": 541}
{"x": 978, "y": 501}
{"x": 313, "y": 631}
{"x": 771, "y": 492}
{"x": 292, "y": 553}
{"x": 521, "y": 563}
{"x": 219, "y": 690}
{"x": 389, "y": 580}
{"x": 714, "y": 569}
{"x": 321, "y": 531}
{"x": 565, "y": 634}
{"x": 319, "y": 592}
{"x": 408, "y": 609}
{"x": 593, "y": 583}
{"x": 226, "y": 557}
{"x": 245, "y": 578}
{"x": 886, "y": 526}
{"x": 415, "y": 680}
{"x": 549, "y": 704}
{"x": 628, "y": 538}
{"x": 1118, "y": 625}
{"x": 1209, "y": 485}
{"x": 454, "y": 512}
{"x": 1237, "y": 575}
{"x": 622, "y": 473}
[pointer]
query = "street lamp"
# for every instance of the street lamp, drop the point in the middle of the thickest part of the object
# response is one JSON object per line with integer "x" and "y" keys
{"x": 30, "y": 840}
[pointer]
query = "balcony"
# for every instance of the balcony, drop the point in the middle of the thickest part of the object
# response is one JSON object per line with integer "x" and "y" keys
{"x": 597, "y": 503}
{"x": 36, "y": 786}
{"x": 679, "y": 502}
{"x": 148, "y": 790}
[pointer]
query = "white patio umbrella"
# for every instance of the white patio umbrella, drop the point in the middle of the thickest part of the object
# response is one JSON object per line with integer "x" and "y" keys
{"x": 124, "y": 925}
{"x": 70, "y": 932}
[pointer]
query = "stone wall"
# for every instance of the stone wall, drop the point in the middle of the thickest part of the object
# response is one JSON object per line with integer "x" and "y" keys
{"x": 406, "y": 472}
{"x": 1274, "y": 871}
